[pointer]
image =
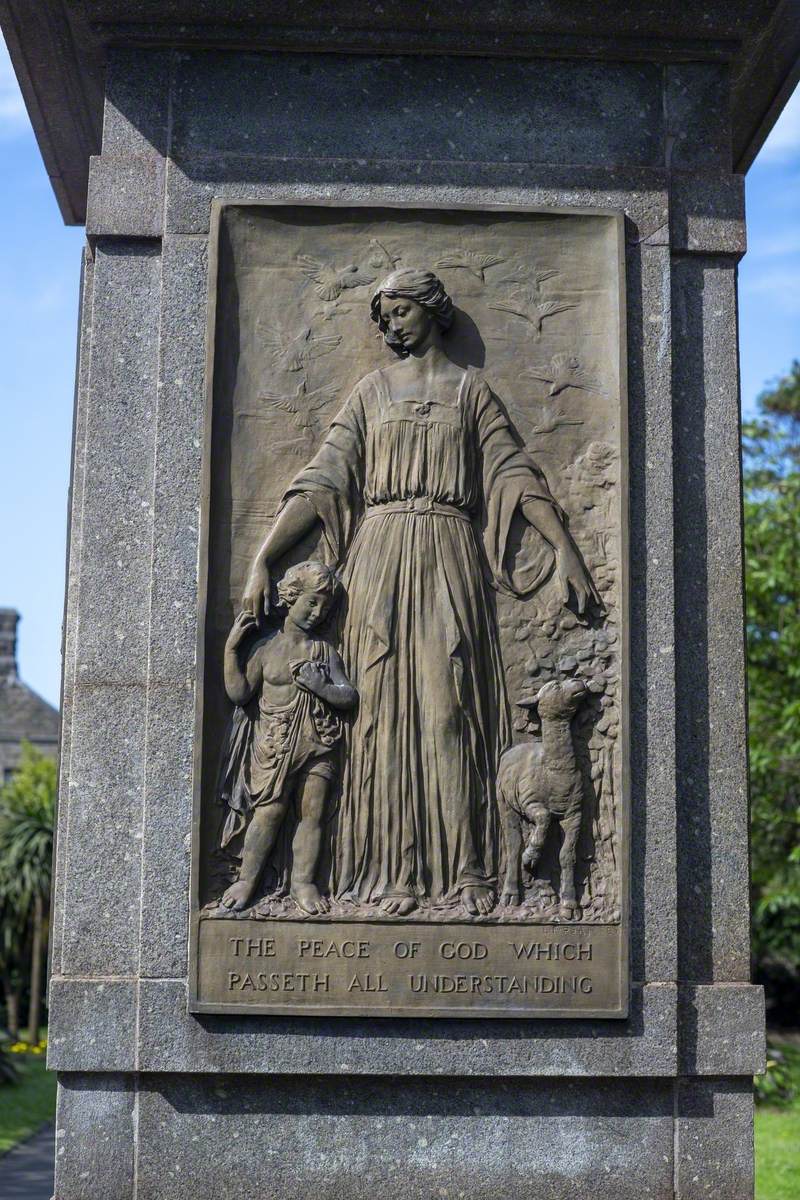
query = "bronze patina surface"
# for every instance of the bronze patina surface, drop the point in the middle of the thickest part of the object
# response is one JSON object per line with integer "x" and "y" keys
{"x": 411, "y": 784}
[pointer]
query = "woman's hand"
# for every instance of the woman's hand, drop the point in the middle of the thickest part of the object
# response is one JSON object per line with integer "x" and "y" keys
{"x": 572, "y": 574}
{"x": 255, "y": 599}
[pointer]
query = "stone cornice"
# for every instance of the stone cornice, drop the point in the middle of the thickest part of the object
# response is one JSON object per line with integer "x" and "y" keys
{"x": 58, "y": 48}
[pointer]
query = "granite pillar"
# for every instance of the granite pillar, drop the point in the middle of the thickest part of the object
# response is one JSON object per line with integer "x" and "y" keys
{"x": 158, "y": 1104}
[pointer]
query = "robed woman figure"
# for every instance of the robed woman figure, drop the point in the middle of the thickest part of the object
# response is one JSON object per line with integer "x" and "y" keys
{"x": 416, "y": 486}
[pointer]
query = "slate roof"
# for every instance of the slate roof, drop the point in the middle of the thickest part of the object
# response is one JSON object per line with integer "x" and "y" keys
{"x": 24, "y": 714}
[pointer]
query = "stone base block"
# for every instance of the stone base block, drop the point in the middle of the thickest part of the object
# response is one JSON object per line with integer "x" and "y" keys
{"x": 288, "y": 1138}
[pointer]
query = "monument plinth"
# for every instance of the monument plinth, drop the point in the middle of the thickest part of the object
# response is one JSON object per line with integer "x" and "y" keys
{"x": 402, "y": 839}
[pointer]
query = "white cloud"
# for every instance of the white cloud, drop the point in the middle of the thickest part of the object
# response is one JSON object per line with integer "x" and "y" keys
{"x": 781, "y": 285}
{"x": 13, "y": 116}
{"x": 783, "y": 142}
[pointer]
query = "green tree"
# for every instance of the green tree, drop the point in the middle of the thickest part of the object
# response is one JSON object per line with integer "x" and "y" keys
{"x": 771, "y": 451}
{"x": 27, "y": 814}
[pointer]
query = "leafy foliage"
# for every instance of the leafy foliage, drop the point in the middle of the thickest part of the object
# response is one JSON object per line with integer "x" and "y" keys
{"x": 27, "y": 814}
{"x": 8, "y": 1072}
{"x": 778, "y": 1085}
{"x": 771, "y": 446}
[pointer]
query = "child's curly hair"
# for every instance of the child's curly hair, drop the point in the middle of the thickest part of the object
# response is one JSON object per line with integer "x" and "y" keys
{"x": 308, "y": 576}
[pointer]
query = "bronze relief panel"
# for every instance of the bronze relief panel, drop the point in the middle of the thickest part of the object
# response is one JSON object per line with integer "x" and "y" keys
{"x": 411, "y": 768}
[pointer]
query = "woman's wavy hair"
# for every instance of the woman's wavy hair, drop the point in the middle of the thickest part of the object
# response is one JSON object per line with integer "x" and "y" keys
{"x": 411, "y": 283}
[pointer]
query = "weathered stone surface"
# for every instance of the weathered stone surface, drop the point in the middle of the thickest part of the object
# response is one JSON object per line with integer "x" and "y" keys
{"x": 95, "y": 1132}
{"x": 114, "y": 548}
{"x": 314, "y": 1136}
{"x": 652, "y": 614}
{"x": 173, "y": 610}
{"x": 714, "y": 1139}
{"x": 713, "y": 918}
{"x": 707, "y": 212}
{"x": 721, "y": 1029}
{"x": 195, "y": 182}
{"x": 136, "y": 109}
{"x": 172, "y": 1040}
{"x": 93, "y": 1025}
{"x": 70, "y": 634}
{"x": 697, "y": 116}
{"x": 304, "y": 106}
{"x": 126, "y": 196}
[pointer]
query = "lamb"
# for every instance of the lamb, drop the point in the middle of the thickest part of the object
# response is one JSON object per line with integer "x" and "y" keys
{"x": 539, "y": 782}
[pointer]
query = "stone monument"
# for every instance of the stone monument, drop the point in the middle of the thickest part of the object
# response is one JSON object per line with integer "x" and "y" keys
{"x": 402, "y": 841}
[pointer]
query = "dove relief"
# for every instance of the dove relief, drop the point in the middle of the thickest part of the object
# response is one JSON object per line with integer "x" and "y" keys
{"x": 303, "y": 408}
{"x": 525, "y": 303}
{"x": 469, "y": 260}
{"x": 564, "y": 371}
{"x": 330, "y": 281}
{"x": 291, "y": 352}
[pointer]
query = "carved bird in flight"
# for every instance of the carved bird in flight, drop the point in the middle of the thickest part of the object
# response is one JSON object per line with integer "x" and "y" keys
{"x": 528, "y": 275}
{"x": 330, "y": 281}
{"x": 553, "y": 423}
{"x": 332, "y": 312}
{"x": 289, "y": 353}
{"x": 304, "y": 405}
{"x": 381, "y": 257}
{"x": 565, "y": 371}
{"x": 469, "y": 260}
{"x": 525, "y": 303}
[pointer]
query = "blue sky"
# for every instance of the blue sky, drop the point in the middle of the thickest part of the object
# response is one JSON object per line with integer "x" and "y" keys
{"x": 39, "y": 276}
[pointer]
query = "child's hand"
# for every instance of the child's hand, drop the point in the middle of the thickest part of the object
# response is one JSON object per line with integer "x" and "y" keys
{"x": 311, "y": 676}
{"x": 244, "y": 624}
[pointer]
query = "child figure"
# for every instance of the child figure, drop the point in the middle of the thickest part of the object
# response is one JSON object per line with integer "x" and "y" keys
{"x": 289, "y": 748}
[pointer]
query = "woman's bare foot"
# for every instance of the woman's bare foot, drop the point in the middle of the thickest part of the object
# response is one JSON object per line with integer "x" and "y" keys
{"x": 307, "y": 897}
{"x": 477, "y": 900}
{"x": 398, "y": 906}
{"x": 237, "y": 895}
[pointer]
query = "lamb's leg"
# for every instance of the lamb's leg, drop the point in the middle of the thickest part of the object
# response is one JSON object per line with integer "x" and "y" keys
{"x": 570, "y": 827}
{"x": 512, "y": 835}
{"x": 540, "y": 816}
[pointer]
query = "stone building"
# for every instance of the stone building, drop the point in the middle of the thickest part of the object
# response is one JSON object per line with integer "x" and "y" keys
{"x": 24, "y": 716}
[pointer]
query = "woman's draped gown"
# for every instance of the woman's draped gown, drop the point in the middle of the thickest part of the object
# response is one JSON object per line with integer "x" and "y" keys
{"x": 416, "y": 500}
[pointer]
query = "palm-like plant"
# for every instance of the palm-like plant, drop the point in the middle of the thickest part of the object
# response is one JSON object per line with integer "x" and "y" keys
{"x": 13, "y": 940}
{"x": 27, "y": 815}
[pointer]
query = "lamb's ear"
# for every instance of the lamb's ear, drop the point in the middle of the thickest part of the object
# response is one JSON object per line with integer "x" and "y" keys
{"x": 531, "y": 705}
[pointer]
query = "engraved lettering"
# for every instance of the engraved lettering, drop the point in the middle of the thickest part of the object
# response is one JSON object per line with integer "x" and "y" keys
{"x": 463, "y": 950}
{"x": 260, "y": 947}
{"x": 552, "y": 951}
{"x": 367, "y": 983}
{"x": 317, "y": 948}
{"x": 406, "y": 949}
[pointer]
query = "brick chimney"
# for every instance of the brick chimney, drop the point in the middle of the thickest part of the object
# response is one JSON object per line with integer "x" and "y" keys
{"x": 8, "y": 645}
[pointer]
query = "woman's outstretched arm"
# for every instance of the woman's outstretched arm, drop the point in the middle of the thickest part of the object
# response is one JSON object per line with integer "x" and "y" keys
{"x": 295, "y": 521}
{"x": 570, "y": 568}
